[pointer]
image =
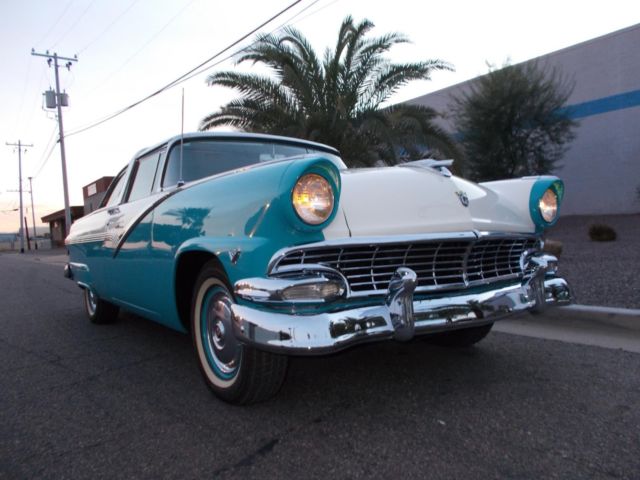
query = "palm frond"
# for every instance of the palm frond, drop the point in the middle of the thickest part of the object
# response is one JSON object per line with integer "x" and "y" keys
{"x": 335, "y": 100}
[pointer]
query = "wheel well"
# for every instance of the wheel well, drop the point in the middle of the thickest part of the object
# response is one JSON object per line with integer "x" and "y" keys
{"x": 189, "y": 265}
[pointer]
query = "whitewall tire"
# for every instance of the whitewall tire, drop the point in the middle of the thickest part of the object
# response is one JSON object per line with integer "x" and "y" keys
{"x": 235, "y": 372}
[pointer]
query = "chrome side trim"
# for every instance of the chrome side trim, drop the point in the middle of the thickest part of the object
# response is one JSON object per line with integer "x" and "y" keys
{"x": 79, "y": 266}
{"x": 123, "y": 234}
{"x": 88, "y": 238}
{"x": 70, "y": 267}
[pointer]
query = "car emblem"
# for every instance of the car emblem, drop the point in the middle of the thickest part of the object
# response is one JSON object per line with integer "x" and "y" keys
{"x": 464, "y": 200}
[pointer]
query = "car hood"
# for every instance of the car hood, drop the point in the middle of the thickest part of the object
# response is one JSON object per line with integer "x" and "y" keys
{"x": 413, "y": 200}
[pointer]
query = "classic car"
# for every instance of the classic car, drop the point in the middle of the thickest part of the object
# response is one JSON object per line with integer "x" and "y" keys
{"x": 264, "y": 247}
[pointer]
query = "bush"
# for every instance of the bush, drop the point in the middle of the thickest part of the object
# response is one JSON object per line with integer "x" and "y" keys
{"x": 602, "y": 233}
{"x": 554, "y": 247}
{"x": 513, "y": 122}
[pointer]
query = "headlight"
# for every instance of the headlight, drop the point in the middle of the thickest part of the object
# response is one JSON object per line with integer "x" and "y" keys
{"x": 548, "y": 205}
{"x": 312, "y": 199}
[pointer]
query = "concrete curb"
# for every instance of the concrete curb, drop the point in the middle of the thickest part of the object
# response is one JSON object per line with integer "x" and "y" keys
{"x": 620, "y": 317}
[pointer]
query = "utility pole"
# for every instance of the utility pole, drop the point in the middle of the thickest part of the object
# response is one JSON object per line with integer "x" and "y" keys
{"x": 59, "y": 100}
{"x": 26, "y": 230}
{"x": 20, "y": 146}
{"x": 33, "y": 215}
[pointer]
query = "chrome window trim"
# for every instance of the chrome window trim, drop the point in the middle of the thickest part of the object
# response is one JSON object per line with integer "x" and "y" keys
{"x": 107, "y": 196}
{"x": 474, "y": 236}
{"x": 135, "y": 170}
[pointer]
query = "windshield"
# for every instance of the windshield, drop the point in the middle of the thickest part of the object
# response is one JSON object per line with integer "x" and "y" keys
{"x": 203, "y": 158}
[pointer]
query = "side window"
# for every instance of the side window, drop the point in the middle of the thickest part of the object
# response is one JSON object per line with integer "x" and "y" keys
{"x": 144, "y": 175}
{"x": 114, "y": 191}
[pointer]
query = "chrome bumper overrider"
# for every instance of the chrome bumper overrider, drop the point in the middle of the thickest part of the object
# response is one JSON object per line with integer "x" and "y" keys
{"x": 399, "y": 316}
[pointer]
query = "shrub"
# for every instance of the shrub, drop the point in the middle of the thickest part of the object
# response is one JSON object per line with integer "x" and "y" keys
{"x": 554, "y": 247}
{"x": 513, "y": 122}
{"x": 602, "y": 233}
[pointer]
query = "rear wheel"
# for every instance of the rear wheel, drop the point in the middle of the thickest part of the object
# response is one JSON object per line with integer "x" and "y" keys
{"x": 236, "y": 373}
{"x": 99, "y": 311}
{"x": 460, "y": 338}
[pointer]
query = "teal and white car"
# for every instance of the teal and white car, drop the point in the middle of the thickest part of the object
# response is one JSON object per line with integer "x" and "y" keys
{"x": 264, "y": 247}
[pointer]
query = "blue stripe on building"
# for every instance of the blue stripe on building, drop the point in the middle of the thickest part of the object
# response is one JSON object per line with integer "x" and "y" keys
{"x": 603, "y": 105}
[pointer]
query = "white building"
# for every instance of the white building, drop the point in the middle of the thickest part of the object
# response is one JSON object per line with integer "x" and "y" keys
{"x": 601, "y": 170}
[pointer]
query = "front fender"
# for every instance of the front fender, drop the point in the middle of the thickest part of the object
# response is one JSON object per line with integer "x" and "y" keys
{"x": 240, "y": 257}
{"x": 524, "y": 193}
{"x": 241, "y": 218}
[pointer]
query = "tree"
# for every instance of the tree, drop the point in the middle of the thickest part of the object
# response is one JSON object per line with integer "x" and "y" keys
{"x": 513, "y": 122}
{"x": 337, "y": 101}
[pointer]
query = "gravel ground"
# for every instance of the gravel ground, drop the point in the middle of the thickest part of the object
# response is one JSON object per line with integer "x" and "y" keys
{"x": 601, "y": 273}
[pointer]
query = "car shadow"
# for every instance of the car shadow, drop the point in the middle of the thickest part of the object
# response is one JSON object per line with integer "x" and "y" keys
{"x": 358, "y": 376}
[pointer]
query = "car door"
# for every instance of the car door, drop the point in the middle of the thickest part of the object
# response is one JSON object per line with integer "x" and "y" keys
{"x": 129, "y": 231}
{"x": 88, "y": 251}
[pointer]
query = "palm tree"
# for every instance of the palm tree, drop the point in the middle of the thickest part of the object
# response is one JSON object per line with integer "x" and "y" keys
{"x": 337, "y": 101}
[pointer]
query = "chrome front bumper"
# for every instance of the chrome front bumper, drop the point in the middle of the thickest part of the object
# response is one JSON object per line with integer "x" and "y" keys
{"x": 400, "y": 316}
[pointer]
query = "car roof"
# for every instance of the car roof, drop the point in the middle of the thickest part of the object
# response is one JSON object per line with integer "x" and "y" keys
{"x": 239, "y": 136}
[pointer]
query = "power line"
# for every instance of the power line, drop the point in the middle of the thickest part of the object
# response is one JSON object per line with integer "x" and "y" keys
{"x": 137, "y": 52}
{"x": 34, "y": 104}
{"x": 46, "y": 153}
{"x": 73, "y": 25}
{"x": 24, "y": 91}
{"x": 310, "y": 14}
{"x": 184, "y": 76}
{"x": 230, "y": 56}
{"x": 220, "y": 61}
{"x": 208, "y": 67}
{"x": 116, "y": 20}
{"x": 56, "y": 22}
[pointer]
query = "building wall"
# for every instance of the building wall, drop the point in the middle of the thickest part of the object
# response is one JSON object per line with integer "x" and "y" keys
{"x": 92, "y": 202}
{"x": 601, "y": 170}
{"x": 94, "y": 193}
{"x": 57, "y": 224}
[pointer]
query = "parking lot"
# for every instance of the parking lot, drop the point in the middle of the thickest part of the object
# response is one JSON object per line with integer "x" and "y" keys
{"x": 126, "y": 401}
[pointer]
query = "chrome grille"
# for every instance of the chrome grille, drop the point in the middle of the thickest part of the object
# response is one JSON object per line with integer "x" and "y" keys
{"x": 440, "y": 264}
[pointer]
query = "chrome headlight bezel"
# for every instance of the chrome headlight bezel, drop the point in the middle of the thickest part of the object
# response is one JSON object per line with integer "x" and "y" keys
{"x": 298, "y": 169}
{"x": 548, "y": 205}
{"x": 313, "y": 199}
{"x": 545, "y": 200}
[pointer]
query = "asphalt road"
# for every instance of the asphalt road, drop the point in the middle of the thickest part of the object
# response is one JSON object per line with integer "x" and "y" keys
{"x": 126, "y": 401}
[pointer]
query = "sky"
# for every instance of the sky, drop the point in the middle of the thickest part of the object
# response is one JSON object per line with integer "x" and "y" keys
{"x": 127, "y": 49}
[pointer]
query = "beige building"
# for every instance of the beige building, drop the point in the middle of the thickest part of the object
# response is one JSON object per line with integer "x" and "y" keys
{"x": 601, "y": 170}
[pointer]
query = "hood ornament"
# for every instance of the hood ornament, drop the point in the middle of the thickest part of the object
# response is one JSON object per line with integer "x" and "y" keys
{"x": 440, "y": 166}
{"x": 464, "y": 200}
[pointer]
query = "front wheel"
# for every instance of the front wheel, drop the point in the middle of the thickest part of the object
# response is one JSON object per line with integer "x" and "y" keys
{"x": 99, "y": 311}
{"x": 460, "y": 338}
{"x": 236, "y": 373}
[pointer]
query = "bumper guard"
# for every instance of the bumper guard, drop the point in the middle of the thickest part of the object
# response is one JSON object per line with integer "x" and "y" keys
{"x": 399, "y": 316}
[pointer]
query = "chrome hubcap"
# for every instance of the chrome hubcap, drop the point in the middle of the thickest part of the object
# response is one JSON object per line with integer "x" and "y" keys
{"x": 91, "y": 301}
{"x": 218, "y": 335}
{"x": 221, "y": 342}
